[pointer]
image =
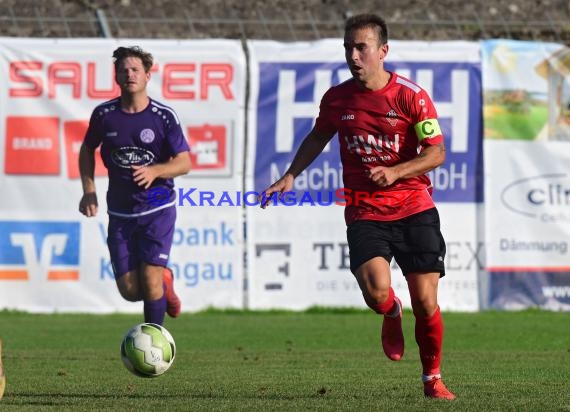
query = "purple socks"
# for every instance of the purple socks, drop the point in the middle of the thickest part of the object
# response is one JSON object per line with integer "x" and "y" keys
{"x": 154, "y": 310}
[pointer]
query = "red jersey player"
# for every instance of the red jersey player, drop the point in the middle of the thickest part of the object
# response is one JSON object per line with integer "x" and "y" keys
{"x": 389, "y": 139}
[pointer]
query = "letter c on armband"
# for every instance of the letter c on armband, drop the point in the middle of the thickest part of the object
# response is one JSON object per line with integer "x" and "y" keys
{"x": 427, "y": 129}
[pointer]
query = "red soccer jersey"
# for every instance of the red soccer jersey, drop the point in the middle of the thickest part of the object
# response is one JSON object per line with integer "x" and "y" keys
{"x": 380, "y": 128}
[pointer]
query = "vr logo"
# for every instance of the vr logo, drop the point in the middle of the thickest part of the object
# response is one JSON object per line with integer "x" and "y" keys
{"x": 39, "y": 250}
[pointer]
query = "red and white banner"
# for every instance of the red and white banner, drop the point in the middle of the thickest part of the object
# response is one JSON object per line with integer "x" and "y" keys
{"x": 53, "y": 258}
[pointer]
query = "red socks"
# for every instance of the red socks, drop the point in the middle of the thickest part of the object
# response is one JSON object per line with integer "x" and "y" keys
{"x": 387, "y": 306}
{"x": 429, "y": 336}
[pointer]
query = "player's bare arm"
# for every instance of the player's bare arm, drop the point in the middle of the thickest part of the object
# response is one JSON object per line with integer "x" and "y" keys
{"x": 88, "y": 204}
{"x": 178, "y": 165}
{"x": 310, "y": 148}
{"x": 284, "y": 184}
{"x": 428, "y": 159}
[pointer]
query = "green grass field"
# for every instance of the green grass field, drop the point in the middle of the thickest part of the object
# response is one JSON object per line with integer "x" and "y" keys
{"x": 319, "y": 360}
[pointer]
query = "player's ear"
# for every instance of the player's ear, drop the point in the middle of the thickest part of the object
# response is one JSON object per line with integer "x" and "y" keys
{"x": 384, "y": 50}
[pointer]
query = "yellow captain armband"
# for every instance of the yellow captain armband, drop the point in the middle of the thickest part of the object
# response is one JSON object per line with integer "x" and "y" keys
{"x": 427, "y": 129}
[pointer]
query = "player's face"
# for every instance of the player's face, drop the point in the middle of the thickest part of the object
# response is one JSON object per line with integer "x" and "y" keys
{"x": 131, "y": 76}
{"x": 364, "y": 55}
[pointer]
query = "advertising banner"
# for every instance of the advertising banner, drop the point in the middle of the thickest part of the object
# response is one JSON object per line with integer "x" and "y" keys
{"x": 51, "y": 256}
{"x": 297, "y": 252}
{"x": 527, "y": 152}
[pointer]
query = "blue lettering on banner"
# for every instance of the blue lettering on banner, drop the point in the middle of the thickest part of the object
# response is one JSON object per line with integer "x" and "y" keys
{"x": 106, "y": 269}
{"x": 192, "y": 274}
{"x": 189, "y": 274}
{"x": 222, "y": 235}
{"x": 545, "y": 197}
{"x": 102, "y": 232}
{"x": 288, "y": 103}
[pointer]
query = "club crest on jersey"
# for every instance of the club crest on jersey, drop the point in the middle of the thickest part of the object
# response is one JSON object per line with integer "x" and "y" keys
{"x": 392, "y": 118}
{"x": 147, "y": 136}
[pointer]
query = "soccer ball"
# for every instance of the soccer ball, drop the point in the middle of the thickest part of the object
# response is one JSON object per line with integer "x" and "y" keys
{"x": 148, "y": 350}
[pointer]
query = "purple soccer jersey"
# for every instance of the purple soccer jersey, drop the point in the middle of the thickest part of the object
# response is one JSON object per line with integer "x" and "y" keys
{"x": 151, "y": 136}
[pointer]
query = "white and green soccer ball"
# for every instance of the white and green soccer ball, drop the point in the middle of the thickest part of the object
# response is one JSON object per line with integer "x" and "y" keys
{"x": 148, "y": 350}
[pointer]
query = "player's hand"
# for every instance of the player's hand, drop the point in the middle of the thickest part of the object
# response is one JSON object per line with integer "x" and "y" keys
{"x": 144, "y": 175}
{"x": 88, "y": 204}
{"x": 383, "y": 176}
{"x": 285, "y": 184}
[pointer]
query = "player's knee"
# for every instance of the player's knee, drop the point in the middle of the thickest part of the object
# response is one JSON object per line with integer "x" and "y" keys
{"x": 131, "y": 297}
{"x": 378, "y": 301}
{"x": 153, "y": 293}
{"x": 424, "y": 307}
{"x": 375, "y": 307}
{"x": 130, "y": 294}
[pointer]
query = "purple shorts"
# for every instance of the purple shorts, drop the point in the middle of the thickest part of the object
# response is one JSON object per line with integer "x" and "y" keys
{"x": 148, "y": 239}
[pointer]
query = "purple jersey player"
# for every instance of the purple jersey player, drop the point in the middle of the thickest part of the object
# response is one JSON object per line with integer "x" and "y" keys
{"x": 143, "y": 148}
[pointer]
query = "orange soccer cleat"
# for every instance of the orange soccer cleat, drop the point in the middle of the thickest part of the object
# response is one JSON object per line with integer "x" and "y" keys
{"x": 392, "y": 335}
{"x": 173, "y": 304}
{"x": 435, "y": 388}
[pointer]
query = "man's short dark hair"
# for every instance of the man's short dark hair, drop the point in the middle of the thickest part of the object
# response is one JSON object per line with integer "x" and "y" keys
{"x": 368, "y": 20}
{"x": 122, "y": 53}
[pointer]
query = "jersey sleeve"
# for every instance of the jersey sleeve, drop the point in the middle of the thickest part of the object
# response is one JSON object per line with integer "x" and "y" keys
{"x": 424, "y": 119}
{"x": 324, "y": 123}
{"x": 94, "y": 134}
{"x": 175, "y": 136}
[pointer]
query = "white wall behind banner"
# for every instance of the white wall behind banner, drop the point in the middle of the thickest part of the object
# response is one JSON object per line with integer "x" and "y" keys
{"x": 51, "y": 257}
{"x": 297, "y": 255}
